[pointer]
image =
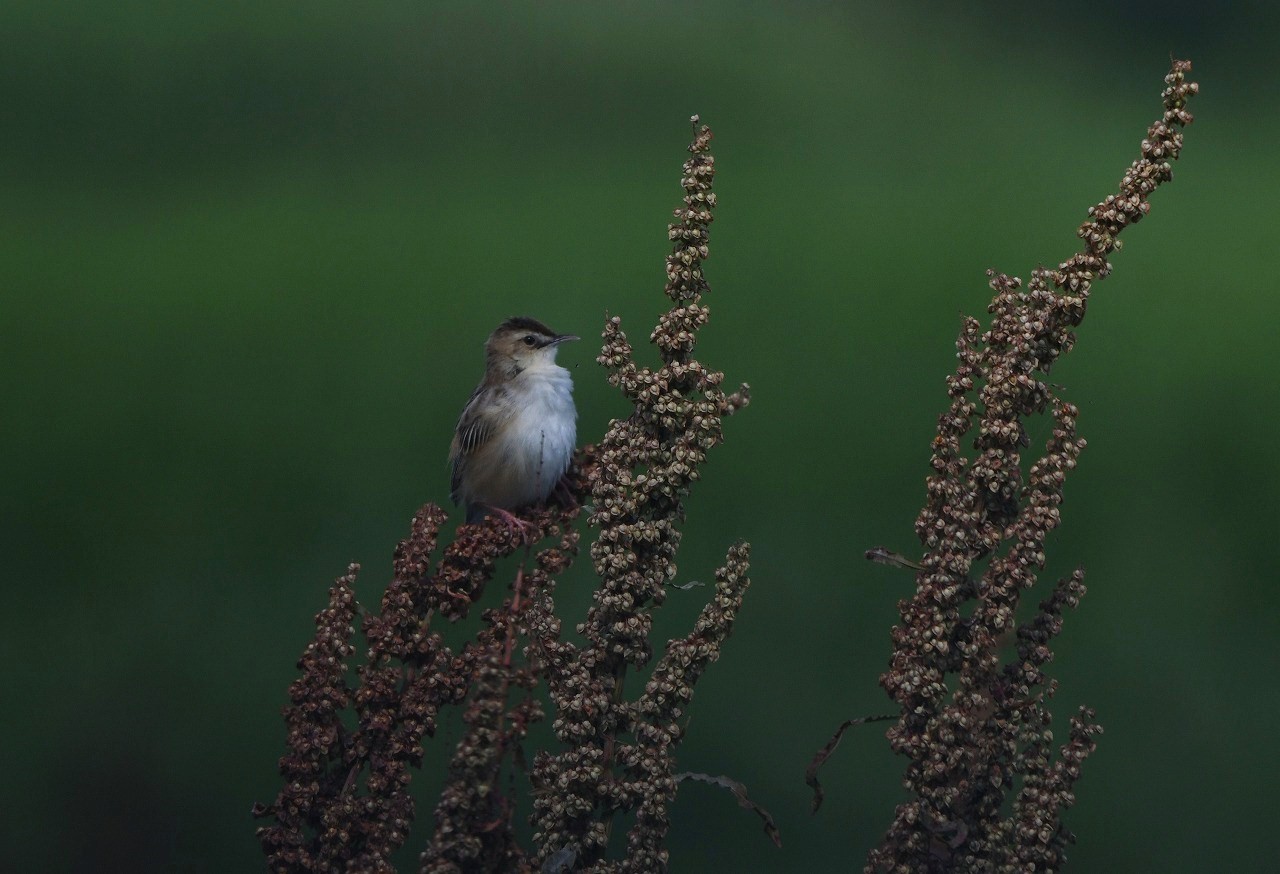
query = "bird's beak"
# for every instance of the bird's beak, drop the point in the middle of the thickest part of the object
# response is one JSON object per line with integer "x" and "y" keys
{"x": 564, "y": 338}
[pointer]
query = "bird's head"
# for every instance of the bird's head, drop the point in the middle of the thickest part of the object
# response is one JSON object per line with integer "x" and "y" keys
{"x": 522, "y": 343}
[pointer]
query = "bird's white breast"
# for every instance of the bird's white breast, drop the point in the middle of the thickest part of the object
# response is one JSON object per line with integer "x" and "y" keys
{"x": 538, "y": 444}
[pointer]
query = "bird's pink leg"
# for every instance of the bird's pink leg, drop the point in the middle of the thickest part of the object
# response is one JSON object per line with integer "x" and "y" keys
{"x": 524, "y": 530}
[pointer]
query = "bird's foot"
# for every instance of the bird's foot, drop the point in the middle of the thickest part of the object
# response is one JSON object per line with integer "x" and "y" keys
{"x": 521, "y": 529}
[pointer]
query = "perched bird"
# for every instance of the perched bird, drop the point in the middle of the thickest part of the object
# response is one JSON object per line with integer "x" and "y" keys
{"x": 516, "y": 435}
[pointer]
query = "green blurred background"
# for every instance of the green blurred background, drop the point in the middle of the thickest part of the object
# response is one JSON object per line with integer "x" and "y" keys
{"x": 249, "y": 252}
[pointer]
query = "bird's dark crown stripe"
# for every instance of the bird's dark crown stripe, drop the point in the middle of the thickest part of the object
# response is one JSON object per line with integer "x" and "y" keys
{"x": 524, "y": 323}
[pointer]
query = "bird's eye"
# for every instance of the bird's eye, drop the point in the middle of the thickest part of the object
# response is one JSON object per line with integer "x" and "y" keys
{"x": 528, "y": 340}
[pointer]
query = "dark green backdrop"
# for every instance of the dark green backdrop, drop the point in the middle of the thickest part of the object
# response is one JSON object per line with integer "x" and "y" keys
{"x": 249, "y": 251}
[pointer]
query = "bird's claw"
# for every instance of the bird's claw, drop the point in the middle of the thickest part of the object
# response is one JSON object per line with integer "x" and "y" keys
{"x": 522, "y": 530}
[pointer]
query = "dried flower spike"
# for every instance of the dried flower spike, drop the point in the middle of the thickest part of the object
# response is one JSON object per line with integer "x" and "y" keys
{"x": 974, "y": 728}
{"x": 620, "y": 753}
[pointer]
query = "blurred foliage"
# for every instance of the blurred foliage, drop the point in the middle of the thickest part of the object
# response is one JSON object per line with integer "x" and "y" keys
{"x": 249, "y": 252}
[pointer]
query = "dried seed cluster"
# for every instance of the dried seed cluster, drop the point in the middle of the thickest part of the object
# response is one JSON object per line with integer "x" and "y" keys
{"x": 345, "y": 804}
{"x": 310, "y": 800}
{"x": 970, "y": 725}
{"x": 619, "y": 754}
{"x": 474, "y": 818}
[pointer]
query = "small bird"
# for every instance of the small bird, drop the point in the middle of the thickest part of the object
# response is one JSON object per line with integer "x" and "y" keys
{"x": 517, "y": 432}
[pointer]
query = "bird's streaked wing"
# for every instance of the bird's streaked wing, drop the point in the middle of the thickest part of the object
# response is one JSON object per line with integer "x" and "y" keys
{"x": 479, "y": 421}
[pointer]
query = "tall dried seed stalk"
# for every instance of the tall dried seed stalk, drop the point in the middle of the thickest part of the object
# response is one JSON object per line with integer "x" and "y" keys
{"x": 619, "y": 754}
{"x": 974, "y": 726}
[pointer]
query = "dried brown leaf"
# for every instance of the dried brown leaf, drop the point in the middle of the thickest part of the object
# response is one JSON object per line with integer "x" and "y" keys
{"x": 820, "y": 758}
{"x": 740, "y": 792}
